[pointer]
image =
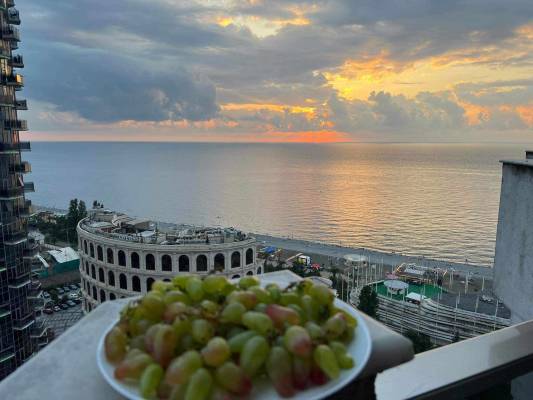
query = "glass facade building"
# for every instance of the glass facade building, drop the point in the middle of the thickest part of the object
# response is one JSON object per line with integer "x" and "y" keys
{"x": 17, "y": 284}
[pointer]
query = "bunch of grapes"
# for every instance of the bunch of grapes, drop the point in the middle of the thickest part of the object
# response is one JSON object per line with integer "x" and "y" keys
{"x": 197, "y": 339}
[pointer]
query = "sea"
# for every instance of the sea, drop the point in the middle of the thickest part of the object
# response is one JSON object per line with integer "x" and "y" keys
{"x": 432, "y": 200}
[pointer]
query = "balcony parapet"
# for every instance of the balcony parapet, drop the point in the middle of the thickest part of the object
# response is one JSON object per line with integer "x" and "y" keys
{"x": 10, "y": 33}
{"x": 4, "y": 53}
{"x": 24, "y": 167}
{"x": 13, "y": 16}
{"x": 6, "y": 148}
{"x": 17, "y": 61}
{"x": 18, "y": 125}
{"x": 11, "y": 193}
{"x": 15, "y": 80}
{"x": 21, "y": 105}
{"x": 23, "y": 323}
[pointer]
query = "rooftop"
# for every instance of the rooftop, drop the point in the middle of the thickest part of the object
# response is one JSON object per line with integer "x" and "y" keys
{"x": 120, "y": 226}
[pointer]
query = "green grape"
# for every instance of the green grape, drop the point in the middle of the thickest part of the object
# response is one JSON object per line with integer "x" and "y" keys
{"x": 297, "y": 341}
{"x": 186, "y": 342}
{"x": 287, "y": 298}
{"x": 194, "y": 289}
{"x": 216, "y": 352}
{"x": 274, "y": 291}
{"x": 253, "y": 355}
{"x": 150, "y": 379}
{"x": 301, "y": 370}
{"x": 309, "y": 307}
{"x": 281, "y": 315}
{"x": 258, "y": 322}
{"x": 140, "y": 326}
{"x": 232, "y": 313}
{"x": 115, "y": 345}
{"x": 218, "y": 393}
{"x": 298, "y": 311}
{"x": 137, "y": 342}
{"x": 165, "y": 341}
{"x": 181, "y": 368}
{"x": 199, "y": 386}
{"x": 237, "y": 342}
{"x": 248, "y": 281}
{"x": 133, "y": 353}
{"x": 214, "y": 284}
{"x": 232, "y": 378}
{"x": 344, "y": 360}
{"x": 164, "y": 390}
{"x": 132, "y": 367}
{"x": 304, "y": 286}
{"x": 209, "y": 309}
{"x": 154, "y": 305}
{"x": 162, "y": 286}
{"x": 247, "y": 298}
{"x": 261, "y": 294}
{"x": 351, "y": 322}
{"x": 279, "y": 370}
{"x": 173, "y": 296}
{"x": 173, "y": 310}
{"x": 260, "y": 307}
{"x": 335, "y": 326}
{"x": 315, "y": 331}
{"x": 326, "y": 360}
{"x": 177, "y": 392}
{"x": 149, "y": 337}
{"x": 321, "y": 294}
{"x": 180, "y": 281}
{"x": 234, "y": 331}
{"x": 202, "y": 330}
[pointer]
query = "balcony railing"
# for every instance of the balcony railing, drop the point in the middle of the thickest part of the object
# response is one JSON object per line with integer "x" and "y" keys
{"x": 39, "y": 330}
{"x": 15, "y": 80}
{"x": 13, "y": 17}
{"x": 10, "y": 33}
{"x": 11, "y": 193}
{"x": 17, "y": 61}
{"x": 4, "y": 53}
{"x": 21, "y": 104}
{"x": 19, "y": 283}
{"x": 19, "y": 125}
{"x": 24, "y": 167}
{"x": 31, "y": 250}
{"x": 29, "y": 187}
{"x": 14, "y": 147}
{"x": 23, "y": 323}
{"x": 27, "y": 211}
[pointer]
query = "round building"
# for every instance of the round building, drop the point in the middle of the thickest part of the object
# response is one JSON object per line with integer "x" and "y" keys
{"x": 122, "y": 256}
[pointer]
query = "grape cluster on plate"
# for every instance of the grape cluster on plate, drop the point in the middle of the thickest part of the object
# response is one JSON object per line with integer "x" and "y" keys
{"x": 197, "y": 339}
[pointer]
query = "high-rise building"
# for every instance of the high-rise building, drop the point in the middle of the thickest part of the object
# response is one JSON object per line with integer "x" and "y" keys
{"x": 17, "y": 316}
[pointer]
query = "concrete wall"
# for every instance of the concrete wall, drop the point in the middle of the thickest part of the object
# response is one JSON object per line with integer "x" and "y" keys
{"x": 513, "y": 263}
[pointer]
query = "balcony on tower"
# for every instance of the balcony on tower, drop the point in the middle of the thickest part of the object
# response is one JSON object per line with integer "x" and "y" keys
{"x": 6, "y": 100}
{"x": 5, "y": 53}
{"x": 8, "y": 148}
{"x": 10, "y": 33}
{"x": 29, "y": 187}
{"x": 17, "y": 61}
{"x": 10, "y": 3}
{"x": 23, "y": 167}
{"x": 18, "y": 125}
{"x": 21, "y": 105}
{"x": 27, "y": 210}
{"x": 13, "y": 17}
{"x": 11, "y": 193}
{"x": 23, "y": 323}
{"x": 15, "y": 80}
{"x": 31, "y": 250}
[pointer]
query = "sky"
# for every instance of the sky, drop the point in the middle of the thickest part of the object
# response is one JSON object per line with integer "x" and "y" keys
{"x": 278, "y": 70}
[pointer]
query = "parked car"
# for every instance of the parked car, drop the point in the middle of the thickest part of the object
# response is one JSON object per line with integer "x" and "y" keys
{"x": 57, "y": 308}
{"x": 66, "y": 288}
{"x": 76, "y": 300}
{"x": 46, "y": 295}
{"x": 48, "y": 311}
{"x": 60, "y": 291}
{"x": 72, "y": 296}
{"x": 73, "y": 287}
{"x": 70, "y": 303}
{"x": 63, "y": 306}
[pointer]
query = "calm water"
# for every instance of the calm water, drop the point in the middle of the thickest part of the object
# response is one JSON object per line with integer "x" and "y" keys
{"x": 433, "y": 200}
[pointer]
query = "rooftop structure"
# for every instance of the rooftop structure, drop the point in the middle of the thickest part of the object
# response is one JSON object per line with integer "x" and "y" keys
{"x": 121, "y": 256}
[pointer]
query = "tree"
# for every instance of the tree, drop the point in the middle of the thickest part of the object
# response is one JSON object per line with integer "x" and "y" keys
{"x": 368, "y": 301}
{"x": 420, "y": 341}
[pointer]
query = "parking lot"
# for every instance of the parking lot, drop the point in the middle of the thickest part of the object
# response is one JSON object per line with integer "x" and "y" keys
{"x": 60, "y": 321}
{"x": 64, "y": 312}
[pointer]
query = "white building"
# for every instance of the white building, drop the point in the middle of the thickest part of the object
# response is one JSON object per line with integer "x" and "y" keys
{"x": 121, "y": 256}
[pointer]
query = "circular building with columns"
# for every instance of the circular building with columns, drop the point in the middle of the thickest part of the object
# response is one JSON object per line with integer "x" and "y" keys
{"x": 122, "y": 256}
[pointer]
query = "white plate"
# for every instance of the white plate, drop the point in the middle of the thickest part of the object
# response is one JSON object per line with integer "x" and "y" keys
{"x": 360, "y": 349}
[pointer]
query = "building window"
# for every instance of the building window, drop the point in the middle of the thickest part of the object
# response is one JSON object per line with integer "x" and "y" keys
{"x": 110, "y": 256}
{"x": 136, "y": 283}
{"x": 249, "y": 256}
{"x": 149, "y": 283}
{"x": 220, "y": 264}
{"x": 101, "y": 275}
{"x": 135, "y": 260}
{"x": 259, "y": 271}
{"x": 93, "y": 271}
{"x": 100, "y": 253}
{"x": 166, "y": 263}
{"x": 150, "y": 262}
{"x": 201, "y": 263}
{"x": 121, "y": 258}
{"x": 85, "y": 246}
{"x": 235, "y": 277}
{"x": 102, "y": 296}
{"x": 91, "y": 248}
{"x": 111, "y": 278}
{"x": 94, "y": 293}
{"x": 87, "y": 268}
{"x": 235, "y": 259}
{"x": 183, "y": 263}
{"x": 122, "y": 281}
{"x": 112, "y": 296}
{"x": 249, "y": 273}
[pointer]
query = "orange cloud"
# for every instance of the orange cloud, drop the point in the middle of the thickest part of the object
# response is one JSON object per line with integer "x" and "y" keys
{"x": 267, "y": 107}
{"x": 474, "y": 113}
{"x": 304, "y": 137}
{"x": 526, "y": 113}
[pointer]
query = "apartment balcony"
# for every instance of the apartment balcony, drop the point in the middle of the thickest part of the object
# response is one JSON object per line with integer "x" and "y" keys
{"x": 10, "y": 148}
{"x": 39, "y": 330}
{"x": 10, "y": 33}
{"x": 11, "y": 193}
{"x": 13, "y": 238}
{"x": 5, "y": 53}
{"x": 17, "y": 61}
{"x": 18, "y": 125}
{"x": 23, "y": 323}
{"x": 21, "y": 105}
{"x": 6, "y": 101}
{"x": 13, "y": 17}
{"x": 10, "y": 3}
{"x": 31, "y": 250}
{"x": 15, "y": 80}
{"x": 27, "y": 211}
{"x": 29, "y": 187}
{"x": 24, "y": 167}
